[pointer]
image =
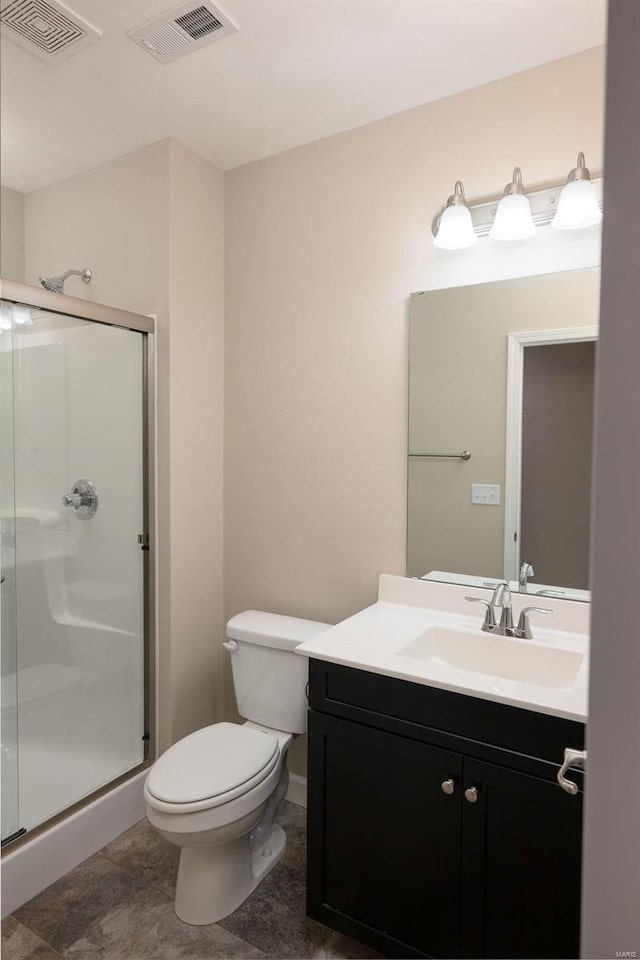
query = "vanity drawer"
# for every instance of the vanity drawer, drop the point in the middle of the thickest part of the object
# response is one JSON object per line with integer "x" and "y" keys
{"x": 441, "y": 717}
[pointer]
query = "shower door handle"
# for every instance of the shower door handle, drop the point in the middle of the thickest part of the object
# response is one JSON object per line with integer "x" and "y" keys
{"x": 83, "y": 499}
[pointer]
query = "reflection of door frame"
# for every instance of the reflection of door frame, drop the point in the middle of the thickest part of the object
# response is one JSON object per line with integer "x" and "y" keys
{"x": 513, "y": 453}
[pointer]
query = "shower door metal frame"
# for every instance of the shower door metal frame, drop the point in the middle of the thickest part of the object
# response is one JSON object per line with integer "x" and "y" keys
{"x": 15, "y": 292}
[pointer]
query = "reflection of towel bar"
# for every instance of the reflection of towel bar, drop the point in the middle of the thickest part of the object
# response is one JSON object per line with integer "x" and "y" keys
{"x": 465, "y": 455}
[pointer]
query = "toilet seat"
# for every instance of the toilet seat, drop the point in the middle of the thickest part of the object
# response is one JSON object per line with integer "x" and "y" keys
{"x": 211, "y": 767}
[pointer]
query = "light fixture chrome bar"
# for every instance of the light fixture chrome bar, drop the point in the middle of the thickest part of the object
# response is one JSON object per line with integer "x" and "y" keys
{"x": 465, "y": 455}
{"x": 544, "y": 203}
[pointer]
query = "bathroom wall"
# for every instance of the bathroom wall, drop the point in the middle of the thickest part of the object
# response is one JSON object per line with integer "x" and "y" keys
{"x": 196, "y": 312}
{"x": 11, "y": 234}
{"x": 611, "y": 861}
{"x": 324, "y": 244}
{"x": 113, "y": 218}
{"x": 150, "y": 225}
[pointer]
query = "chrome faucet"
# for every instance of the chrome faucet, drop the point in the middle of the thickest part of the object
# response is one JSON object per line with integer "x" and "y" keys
{"x": 526, "y": 571}
{"x": 502, "y": 599}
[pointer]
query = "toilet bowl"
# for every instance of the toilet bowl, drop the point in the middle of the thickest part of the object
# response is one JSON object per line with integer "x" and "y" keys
{"x": 215, "y": 793}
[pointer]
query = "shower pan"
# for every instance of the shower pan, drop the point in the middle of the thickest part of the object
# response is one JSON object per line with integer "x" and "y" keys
{"x": 76, "y": 565}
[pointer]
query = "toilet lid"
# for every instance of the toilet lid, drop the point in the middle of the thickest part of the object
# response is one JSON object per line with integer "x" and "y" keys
{"x": 210, "y": 762}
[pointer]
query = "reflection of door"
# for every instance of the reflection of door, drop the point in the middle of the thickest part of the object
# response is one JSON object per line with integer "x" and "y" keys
{"x": 548, "y": 481}
{"x": 557, "y": 425}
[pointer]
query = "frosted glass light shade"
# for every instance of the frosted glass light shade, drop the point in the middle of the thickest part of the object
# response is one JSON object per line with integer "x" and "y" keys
{"x": 455, "y": 231}
{"x": 513, "y": 219}
{"x": 578, "y": 206}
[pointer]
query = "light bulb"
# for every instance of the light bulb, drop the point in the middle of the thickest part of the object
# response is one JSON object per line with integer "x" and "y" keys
{"x": 578, "y": 205}
{"x": 513, "y": 217}
{"x": 455, "y": 226}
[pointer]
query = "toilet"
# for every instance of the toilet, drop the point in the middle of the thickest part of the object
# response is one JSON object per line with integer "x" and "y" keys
{"x": 215, "y": 793}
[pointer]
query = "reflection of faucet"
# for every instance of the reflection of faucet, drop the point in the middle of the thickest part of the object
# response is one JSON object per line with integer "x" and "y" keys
{"x": 502, "y": 598}
{"x": 526, "y": 571}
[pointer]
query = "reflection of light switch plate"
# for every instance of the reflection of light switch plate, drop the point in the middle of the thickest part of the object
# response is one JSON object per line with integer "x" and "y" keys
{"x": 487, "y": 493}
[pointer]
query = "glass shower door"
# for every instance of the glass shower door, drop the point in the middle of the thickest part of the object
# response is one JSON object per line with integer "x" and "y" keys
{"x": 8, "y": 627}
{"x": 78, "y": 405}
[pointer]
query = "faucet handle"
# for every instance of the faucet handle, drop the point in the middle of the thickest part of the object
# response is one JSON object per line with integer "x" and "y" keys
{"x": 523, "y": 629}
{"x": 489, "y": 618}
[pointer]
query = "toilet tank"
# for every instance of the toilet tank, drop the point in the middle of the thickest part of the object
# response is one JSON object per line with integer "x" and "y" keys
{"x": 270, "y": 679}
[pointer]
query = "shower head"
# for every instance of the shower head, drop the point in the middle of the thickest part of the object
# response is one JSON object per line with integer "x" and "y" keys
{"x": 56, "y": 284}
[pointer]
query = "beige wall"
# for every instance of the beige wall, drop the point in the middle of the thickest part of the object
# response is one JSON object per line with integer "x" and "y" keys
{"x": 458, "y": 401}
{"x": 11, "y": 234}
{"x": 113, "y": 218}
{"x": 323, "y": 246}
{"x": 611, "y": 860}
{"x": 150, "y": 225}
{"x": 196, "y": 310}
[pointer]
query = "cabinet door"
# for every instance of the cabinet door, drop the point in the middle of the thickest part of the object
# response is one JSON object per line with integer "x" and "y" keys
{"x": 520, "y": 866}
{"x": 384, "y": 838}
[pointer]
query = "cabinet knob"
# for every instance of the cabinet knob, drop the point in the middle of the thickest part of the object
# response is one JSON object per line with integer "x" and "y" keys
{"x": 471, "y": 794}
{"x": 448, "y": 786}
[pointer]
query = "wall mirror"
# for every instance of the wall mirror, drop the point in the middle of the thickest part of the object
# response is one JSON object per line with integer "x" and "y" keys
{"x": 501, "y": 379}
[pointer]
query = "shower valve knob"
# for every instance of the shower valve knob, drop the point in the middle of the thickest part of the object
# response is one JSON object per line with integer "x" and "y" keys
{"x": 83, "y": 499}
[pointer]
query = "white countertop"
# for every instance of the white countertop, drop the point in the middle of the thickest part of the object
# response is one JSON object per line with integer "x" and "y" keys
{"x": 407, "y": 611}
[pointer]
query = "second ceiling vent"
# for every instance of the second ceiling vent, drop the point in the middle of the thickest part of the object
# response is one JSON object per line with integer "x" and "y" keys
{"x": 183, "y": 30}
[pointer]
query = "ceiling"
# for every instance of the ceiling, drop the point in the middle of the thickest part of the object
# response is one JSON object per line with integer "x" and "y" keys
{"x": 296, "y": 71}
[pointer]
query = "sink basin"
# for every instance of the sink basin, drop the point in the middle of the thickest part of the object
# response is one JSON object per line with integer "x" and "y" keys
{"x": 503, "y": 657}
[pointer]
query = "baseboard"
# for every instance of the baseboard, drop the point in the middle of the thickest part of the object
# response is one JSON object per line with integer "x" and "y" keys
{"x": 297, "y": 792}
{"x": 37, "y": 864}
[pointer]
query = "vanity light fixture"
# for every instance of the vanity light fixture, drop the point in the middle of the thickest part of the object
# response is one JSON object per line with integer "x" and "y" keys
{"x": 453, "y": 227}
{"x": 578, "y": 206}
{"x": 571, "y": 204}
{"x": 513, "y": 219}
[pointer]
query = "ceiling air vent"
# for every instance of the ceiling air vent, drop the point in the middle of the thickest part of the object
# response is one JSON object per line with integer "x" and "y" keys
{"x": 46, "y": 28}
{"x": 183, "y": 30}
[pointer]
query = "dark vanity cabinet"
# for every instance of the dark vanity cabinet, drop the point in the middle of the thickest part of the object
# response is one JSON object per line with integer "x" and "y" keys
{"x": 436, "y": 827}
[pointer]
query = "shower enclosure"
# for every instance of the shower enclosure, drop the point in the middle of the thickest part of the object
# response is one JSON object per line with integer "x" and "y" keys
{"x": 75, "y": 499}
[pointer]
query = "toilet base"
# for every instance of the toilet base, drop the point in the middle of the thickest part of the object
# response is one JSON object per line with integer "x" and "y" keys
{"x": 267, "y": 856}
{"x": 215, "y": 881}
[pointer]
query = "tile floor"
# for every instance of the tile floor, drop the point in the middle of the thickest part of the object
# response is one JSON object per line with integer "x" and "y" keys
{"x": 118, "y": 905}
